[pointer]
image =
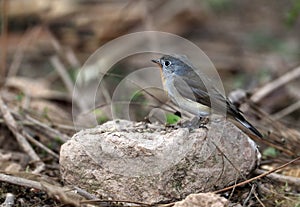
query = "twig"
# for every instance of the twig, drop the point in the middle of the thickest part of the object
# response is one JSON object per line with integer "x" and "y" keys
{"x": 257, "y": 177}
{"x": 257, "y": 198}
{"x": 19, "y": 157}
{"x": 166, "y": 205}
{"x": 64, "y": 127}
{"x": 233, "y": 189}
{"x": 44, "y": 128}
{"x": 9, "y": 200}
{"x": 20, "y": 181}
{"x": 281, "y": 178}
{"x": 85, "y": 194}
{"x": 268, "y": 88}
{"x": 61, "y": 193}
{"x": 272, "y": 192}
{"x": 40, "y": 145}
{"x": 253, "y": 187}
{"x": 137, "y": 103}
{"x": 27, "y": 38}
{"x": 71, "y": 57}
{"x": 253, "y": 191}
{"x": 283, "y": 132}
{"x": 14, "y": 128}
{"x": 52, "y": 133}
{"x": 61, "y": 70}
{"x": 236, "y": 169}
{"x": 286, "y": 111}
{"x": 276, "y": 146}
{"x": 136, "y": 84}
{"x": 68, "y": 55}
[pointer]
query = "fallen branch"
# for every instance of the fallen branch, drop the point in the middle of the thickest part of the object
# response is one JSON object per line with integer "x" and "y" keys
{"x": 52, "y": 133}
{"x": 65, "y": 195}
{"x": 31, "y": 35}
{"x": 286, "y": 111}
{"x": 272, "y": 86}
{"x": 62, "y": 71}
{"x": 281, "y": 178}
{"x": 85, "y": 194}
{"x": 40, "y": 145}
{"x": 15, "y": 129}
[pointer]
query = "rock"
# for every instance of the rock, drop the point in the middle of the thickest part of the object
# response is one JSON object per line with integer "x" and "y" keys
{"x": 124, "y": 160}
{"x": 203, "y": 200}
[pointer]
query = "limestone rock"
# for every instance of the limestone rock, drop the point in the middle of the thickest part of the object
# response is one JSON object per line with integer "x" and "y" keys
{"x": 203, "y": 200}
{"x": 124, "y": 160}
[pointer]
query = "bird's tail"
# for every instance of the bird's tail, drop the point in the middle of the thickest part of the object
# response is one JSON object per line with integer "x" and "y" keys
{"x": 235, "y": 114}
{"x": 249, "y": 126}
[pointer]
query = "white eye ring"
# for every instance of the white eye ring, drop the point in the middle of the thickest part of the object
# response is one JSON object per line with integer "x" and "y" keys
{"x": 167, "y": 63}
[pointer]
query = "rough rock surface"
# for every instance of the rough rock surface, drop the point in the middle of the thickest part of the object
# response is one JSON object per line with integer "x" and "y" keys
{"x": 203, "y": 200}
{"x": 123, "y": 160}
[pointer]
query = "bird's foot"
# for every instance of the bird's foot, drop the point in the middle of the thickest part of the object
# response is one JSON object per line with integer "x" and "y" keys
{"x": 196, "y": 122}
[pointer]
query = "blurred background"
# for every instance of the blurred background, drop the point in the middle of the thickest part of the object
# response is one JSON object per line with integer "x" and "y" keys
{"x": 254, "y": 45}
{"x": 250, "y": 42}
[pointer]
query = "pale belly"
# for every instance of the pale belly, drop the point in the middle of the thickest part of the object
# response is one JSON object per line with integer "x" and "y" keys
{"x": 186, "y": 104}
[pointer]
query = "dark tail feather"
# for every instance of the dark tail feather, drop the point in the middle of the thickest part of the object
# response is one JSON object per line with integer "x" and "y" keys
{"x": 236, "y": 114}
{"x": 249, "y": 126}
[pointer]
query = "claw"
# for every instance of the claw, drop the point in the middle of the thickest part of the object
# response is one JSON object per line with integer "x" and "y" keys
{"x": 196, "y": 122}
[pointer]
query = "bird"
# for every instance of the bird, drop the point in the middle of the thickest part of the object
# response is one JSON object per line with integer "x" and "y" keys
{"x": 196, "y": 93}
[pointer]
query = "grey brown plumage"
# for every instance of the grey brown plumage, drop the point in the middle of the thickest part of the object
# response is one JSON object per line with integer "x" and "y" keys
{"x": 191, "y": 87}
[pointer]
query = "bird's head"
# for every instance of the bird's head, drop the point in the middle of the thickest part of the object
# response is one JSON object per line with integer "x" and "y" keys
{"x": 171, "y": 64}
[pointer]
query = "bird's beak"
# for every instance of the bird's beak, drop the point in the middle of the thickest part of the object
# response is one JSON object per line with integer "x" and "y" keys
{"x": 157, "y": 62}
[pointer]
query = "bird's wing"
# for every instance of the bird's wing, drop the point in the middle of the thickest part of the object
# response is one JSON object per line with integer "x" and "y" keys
{"x": 188, "y": 89}
{"x": 193, "y": 88}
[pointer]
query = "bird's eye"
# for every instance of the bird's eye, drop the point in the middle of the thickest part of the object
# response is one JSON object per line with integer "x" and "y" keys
{"x": 167, "y": 63}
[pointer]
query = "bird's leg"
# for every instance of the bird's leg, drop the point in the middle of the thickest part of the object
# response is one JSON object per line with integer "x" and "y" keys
{"x": 200, "y": 122}
{"x": 203, "y": 121}
{"x": 196, "y": 122}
